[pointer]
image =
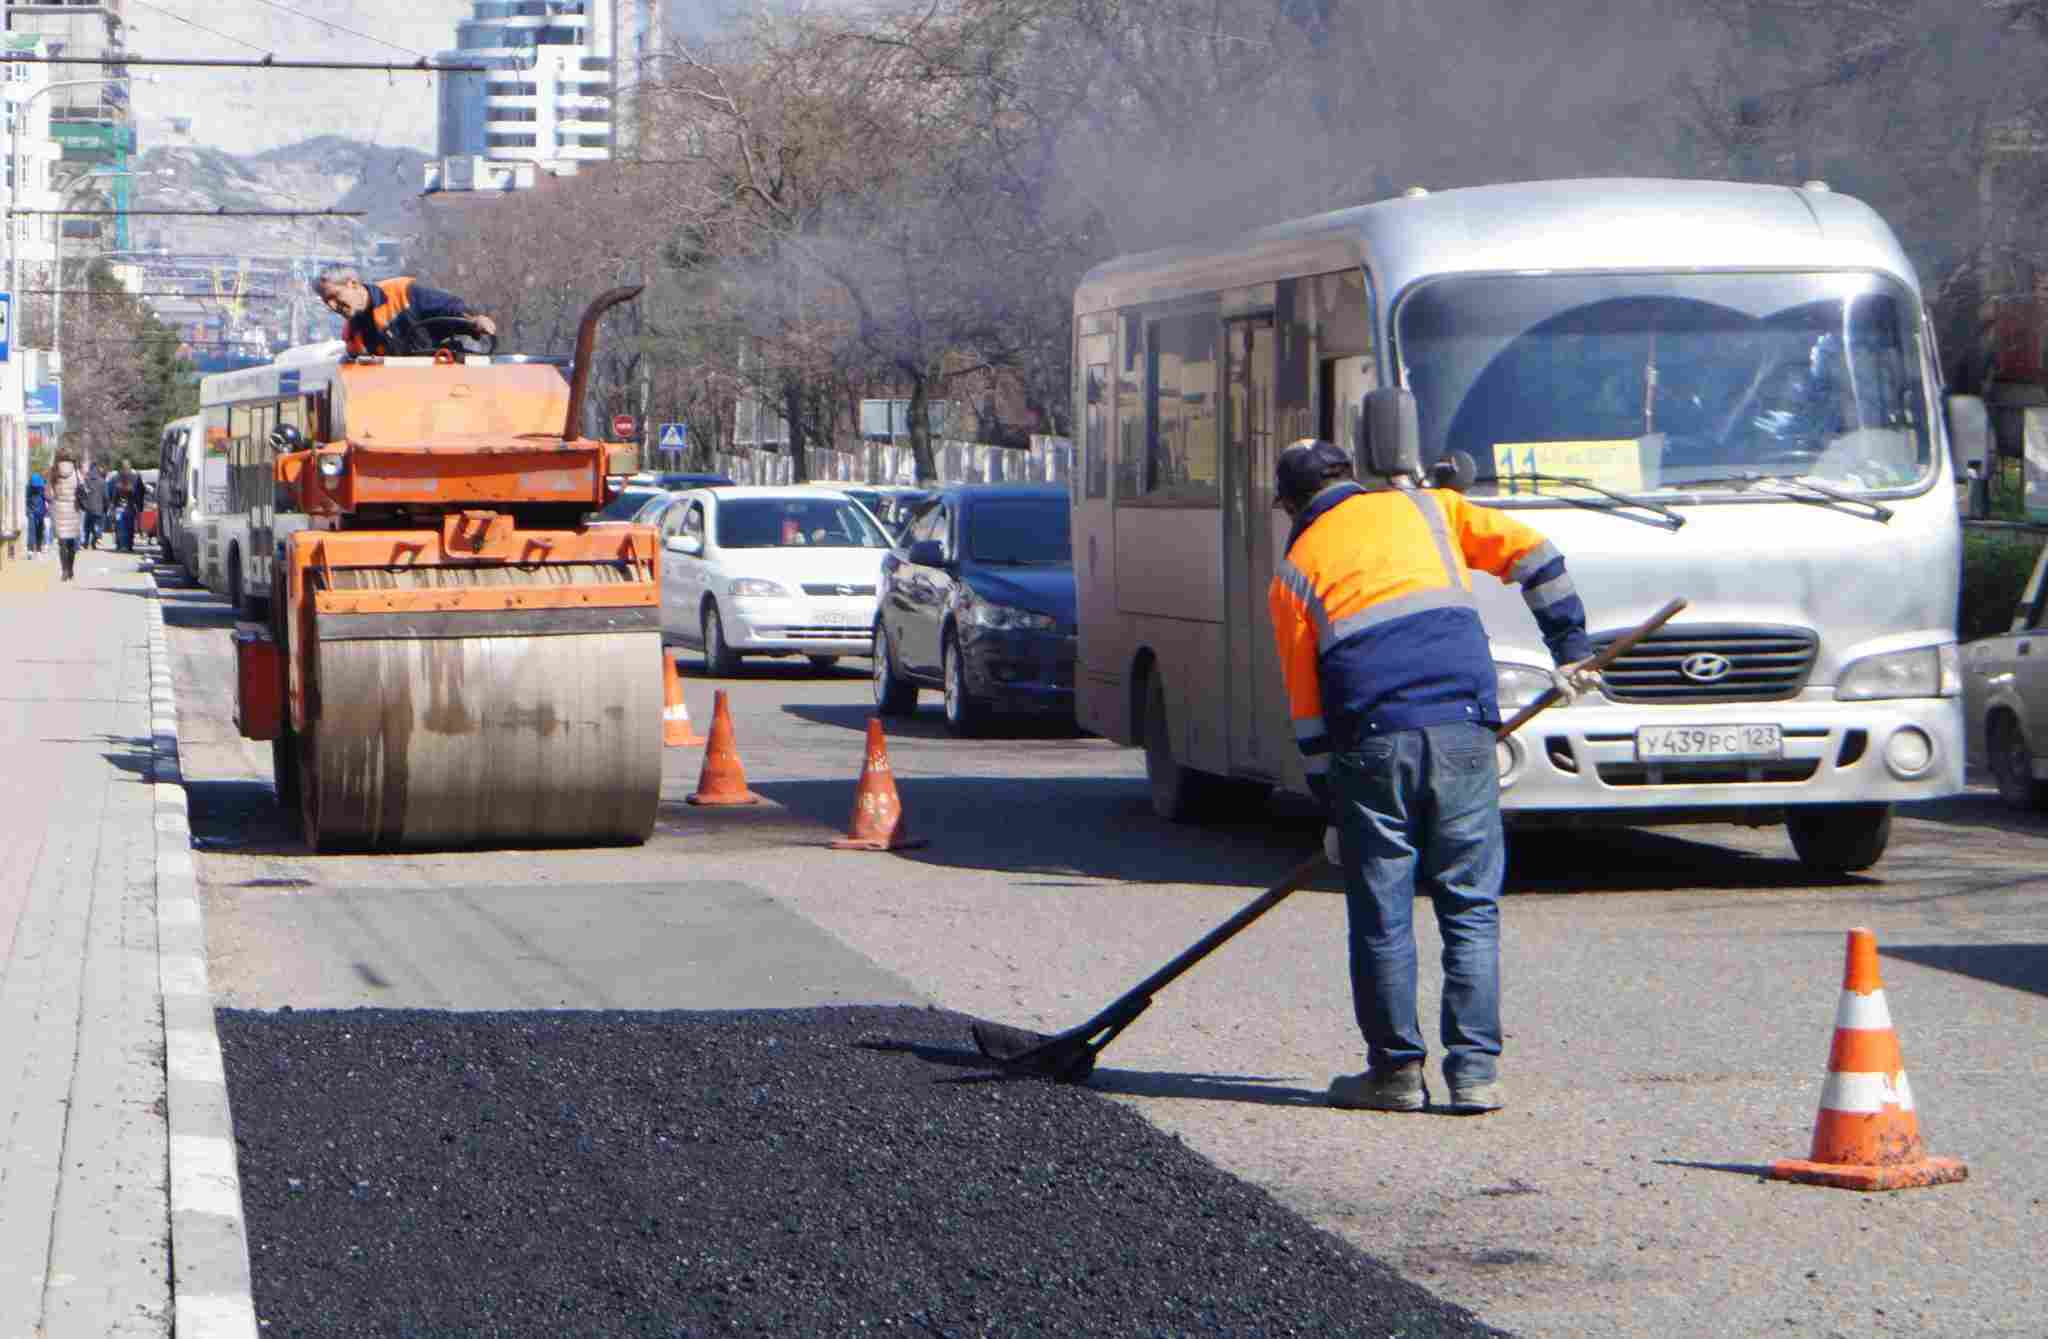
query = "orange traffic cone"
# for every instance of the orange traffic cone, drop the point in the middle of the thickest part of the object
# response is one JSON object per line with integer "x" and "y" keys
{"x": 676, "y": 730}
{"x": 723, "y": 780}
{"x": 877, "y": 812}
{"x": 1866, "y": 1136}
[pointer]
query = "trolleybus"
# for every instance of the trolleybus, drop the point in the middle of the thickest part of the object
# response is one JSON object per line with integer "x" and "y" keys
{"x": 238, "y": 410}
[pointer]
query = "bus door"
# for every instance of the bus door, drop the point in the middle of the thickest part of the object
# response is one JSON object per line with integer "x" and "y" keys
{"x": 1251, "y": 536}
{"x": 1102, "y": 649}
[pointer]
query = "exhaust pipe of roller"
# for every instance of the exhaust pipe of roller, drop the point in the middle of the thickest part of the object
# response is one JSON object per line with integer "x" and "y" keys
{"x": 586, "y": 341}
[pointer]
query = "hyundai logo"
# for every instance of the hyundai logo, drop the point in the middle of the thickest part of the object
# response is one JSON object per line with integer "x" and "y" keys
{"x": 1705, "y": 667}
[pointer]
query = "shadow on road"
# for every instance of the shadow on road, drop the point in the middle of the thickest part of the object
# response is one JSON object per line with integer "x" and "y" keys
{"x": 2019, "y": 966}
{"x": 780, "y": 670}
{"x": 930, "y": 723}
{"x": 239, "y": 816}
{"x": 1063, "y": 828}
{"x": 1978, "y": 809}
{"x": 976, "y": 1068}
{"x": 1759, "y": 1170}
{"x": 1628, "y": 860}
{"x": 201, "y": 611}
{"x": 132, "y": 754}
{"x": 1088, "y": 827}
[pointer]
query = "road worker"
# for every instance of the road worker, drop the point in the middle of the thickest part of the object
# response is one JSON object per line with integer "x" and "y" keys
{"x": 371, "y": 309}
{"x": 1391, "y": 687}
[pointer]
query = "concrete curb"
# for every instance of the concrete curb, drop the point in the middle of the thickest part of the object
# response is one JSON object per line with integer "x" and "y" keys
{"x": 210, "y": 1287}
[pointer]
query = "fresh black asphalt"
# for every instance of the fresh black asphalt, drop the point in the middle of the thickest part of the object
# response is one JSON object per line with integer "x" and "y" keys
{"x": 790, "y": 1172}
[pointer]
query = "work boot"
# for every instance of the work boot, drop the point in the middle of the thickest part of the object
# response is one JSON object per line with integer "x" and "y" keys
{"x": 1397, "y": 1089}
{"x": 1471, "y": 1097}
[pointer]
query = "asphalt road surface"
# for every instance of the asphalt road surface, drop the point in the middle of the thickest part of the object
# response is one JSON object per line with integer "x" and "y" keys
{"x": 1670, "y": 998}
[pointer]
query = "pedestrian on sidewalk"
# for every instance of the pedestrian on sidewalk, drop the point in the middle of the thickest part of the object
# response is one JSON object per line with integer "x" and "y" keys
{"x": 67, "y": 506}
{"x": 94, "y": 503}
{"x": 38, "y": 511}
{"x": 127, "y": 494}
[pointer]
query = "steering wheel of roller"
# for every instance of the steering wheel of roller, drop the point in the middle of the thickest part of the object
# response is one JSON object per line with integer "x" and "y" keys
{"x": 423, "y": 334}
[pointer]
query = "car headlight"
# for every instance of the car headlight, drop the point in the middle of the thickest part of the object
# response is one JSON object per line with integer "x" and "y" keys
{"x": 1518, "y": 685}
{"x": 1002, "y": 616}
{"x": 754, "y": 588}
{"x": 1924, "y": 671}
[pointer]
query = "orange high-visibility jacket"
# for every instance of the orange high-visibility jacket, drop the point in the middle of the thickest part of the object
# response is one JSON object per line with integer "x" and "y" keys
{"x": 389, "y": 297}
{"x": 1373, "y": 614}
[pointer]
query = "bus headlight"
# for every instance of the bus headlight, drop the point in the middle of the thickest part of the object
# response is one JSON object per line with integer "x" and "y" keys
{"x": 1518, "y": 685}
{"x": 1924, "y": 671}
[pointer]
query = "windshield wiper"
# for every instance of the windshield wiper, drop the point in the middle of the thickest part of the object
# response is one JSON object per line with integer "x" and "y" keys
{"x": 1819, "y": 495}
{"x": 1667, "y": 519}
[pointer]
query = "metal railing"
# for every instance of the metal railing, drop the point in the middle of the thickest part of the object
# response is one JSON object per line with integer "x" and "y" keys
{"x": 1046, "y": 460}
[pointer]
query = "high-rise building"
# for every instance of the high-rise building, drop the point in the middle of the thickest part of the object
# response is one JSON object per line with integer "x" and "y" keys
{"x": 551, "y": 95}
{"x": 88, "y": 104}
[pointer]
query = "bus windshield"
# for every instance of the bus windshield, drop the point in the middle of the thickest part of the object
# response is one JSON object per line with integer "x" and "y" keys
{"x": 1669, "y": 381}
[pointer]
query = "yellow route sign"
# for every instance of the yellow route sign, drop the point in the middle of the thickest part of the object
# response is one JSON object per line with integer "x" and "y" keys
{"x": 1612, "y": 464}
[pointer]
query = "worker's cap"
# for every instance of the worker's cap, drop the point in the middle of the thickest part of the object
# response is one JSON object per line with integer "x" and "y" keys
{"x": 1305, "y": 466}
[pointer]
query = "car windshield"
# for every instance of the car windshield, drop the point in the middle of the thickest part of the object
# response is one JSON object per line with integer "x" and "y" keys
{"x": 777, "y": 522}
{"x": 1643, "y": 382}
{"x": 1029, "y": 530}
{"x": 625, "y": 505}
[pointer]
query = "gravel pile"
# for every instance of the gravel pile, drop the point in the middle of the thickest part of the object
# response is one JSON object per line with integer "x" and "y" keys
{"x": 800, "y": 1172}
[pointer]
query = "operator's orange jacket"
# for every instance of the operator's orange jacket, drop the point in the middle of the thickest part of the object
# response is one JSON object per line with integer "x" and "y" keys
{"x": 389, "y": 297}
{"x": 1373, "y": 614}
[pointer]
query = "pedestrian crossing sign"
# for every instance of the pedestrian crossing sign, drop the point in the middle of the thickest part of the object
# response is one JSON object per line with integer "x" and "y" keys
{"x": 672, "y": 437}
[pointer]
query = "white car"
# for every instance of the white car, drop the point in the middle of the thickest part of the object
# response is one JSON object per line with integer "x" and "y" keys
{"x": 768, "y": 571}
{"x": 2005, "y": 698}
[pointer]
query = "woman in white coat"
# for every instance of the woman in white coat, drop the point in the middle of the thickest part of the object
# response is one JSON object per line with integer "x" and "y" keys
{"x": 65, "y": 512}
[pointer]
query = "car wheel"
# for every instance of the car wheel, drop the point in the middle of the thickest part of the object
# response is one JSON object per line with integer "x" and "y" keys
{"x": 965, "y": 717}
{"x": 822, "y": 663}
{"x": 1840, "y": 838}
{"x": 720, "y": 660}
{"x": 894, "y": 696}
{"x": 1180, "y": 794}
{"x": 2012, "y": 763}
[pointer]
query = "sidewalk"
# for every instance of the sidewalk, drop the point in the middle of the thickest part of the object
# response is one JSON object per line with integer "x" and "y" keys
{"x": 86, "y": 1111}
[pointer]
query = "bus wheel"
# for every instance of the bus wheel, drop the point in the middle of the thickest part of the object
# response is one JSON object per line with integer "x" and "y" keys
{"x": 1180, "y": 794}
{"x": 1840, "y": 838}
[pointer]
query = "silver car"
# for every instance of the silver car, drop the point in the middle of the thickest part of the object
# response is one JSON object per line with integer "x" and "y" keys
{"x": 2005, "y": 692}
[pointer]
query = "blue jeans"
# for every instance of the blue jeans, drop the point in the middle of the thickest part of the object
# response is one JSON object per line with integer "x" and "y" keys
{"x": 89, "y": 530}
{"x": 1419, "y": 811}
{"x": 124, "y": 528}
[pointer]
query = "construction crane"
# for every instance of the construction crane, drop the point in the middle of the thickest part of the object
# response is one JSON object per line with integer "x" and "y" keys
{"x": 232, "y": 295}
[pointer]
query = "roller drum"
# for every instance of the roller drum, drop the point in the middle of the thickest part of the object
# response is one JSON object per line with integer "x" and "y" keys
{"x": 483, "y": 728}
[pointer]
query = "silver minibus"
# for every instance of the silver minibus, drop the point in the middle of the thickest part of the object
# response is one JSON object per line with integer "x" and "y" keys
{"x": 1724, "y": 392}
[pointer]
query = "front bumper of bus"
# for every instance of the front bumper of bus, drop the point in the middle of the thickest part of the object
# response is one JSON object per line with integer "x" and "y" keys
{"x": 1580, "y": 764}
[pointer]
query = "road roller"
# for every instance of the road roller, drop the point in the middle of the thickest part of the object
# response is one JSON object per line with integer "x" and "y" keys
{"x": 452, "y": 657}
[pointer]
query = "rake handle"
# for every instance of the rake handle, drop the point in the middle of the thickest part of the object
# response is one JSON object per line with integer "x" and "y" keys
{"x": 1622, "y": 646}
{"x": 1133, "y": 1001}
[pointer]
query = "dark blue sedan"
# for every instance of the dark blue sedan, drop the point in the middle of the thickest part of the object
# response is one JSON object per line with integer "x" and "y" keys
{"x": 977, "y": 600}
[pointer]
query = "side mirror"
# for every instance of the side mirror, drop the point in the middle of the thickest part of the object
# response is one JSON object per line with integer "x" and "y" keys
{"x": 927, "y": 553}
{"x": 688, "y": 545}
{"x": 1393, "y": 433}
{"x": 1969, "y": 434}
{"x": 1455, "y": 472}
